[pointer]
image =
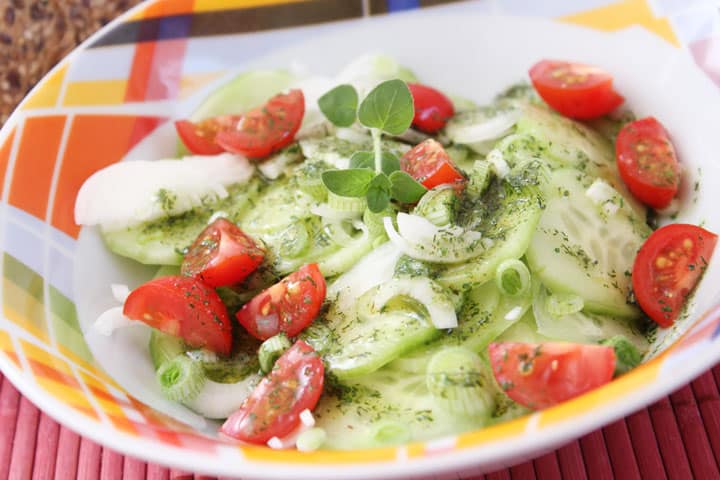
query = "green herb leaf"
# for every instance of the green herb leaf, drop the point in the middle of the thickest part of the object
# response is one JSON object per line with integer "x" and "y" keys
{"x": 406, "y": 189}
{"x": 363, "y": 159}
{"x": 388, "y": 107}
{"x": 340, "y": 105}
{"x": 353, "y": 182}
{"x": 378, "y": 193}
{"x": 390, "y": 163}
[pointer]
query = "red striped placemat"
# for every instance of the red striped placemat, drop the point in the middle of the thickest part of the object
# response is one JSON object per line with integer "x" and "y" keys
{"x": 677, "y": 437}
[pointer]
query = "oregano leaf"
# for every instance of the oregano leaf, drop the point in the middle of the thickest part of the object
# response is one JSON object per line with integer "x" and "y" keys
{"x": 353, "y": 182}
{"x": 378, "y": 193}
{"x": 405, "y": 189}
{"x": 388, "y": 107}
{"x": 340, "y": 105}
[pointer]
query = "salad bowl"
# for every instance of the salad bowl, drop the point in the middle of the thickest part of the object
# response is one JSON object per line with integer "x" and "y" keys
{"x": 114, "y": 100}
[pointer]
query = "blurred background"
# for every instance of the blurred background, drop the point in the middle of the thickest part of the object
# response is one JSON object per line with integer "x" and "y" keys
{"x": 36, "y": 34}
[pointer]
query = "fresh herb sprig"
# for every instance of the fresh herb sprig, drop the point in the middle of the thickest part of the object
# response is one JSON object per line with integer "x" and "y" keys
{"x": 375, "y": 175}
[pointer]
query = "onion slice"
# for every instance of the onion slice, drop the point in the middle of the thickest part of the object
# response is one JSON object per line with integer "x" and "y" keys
{"x": 425, "y": 291}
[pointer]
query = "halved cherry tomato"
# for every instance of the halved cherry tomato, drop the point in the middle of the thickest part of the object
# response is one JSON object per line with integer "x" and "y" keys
{"x": 273, "y": 408}
{"x": 429, "y": 164}
{"x": 432, "y": 108}
{"x": 199, "y": 137}
{"x": 575, "y": 90}
{"x": 647, "y": 162}
{"x": 288, "y": 306}
{"x": 540, "y": 375}
{"x": 222, "y": 255}
{"x": 265, "y": 130}
{"x": 667, "y": 268}
{"x": 184, "y": 307}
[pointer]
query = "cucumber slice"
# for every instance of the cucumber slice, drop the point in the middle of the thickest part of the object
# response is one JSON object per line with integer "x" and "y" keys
{"x": 244, "y": 92}
{"x": 164, "y": 347}
{"x": 506, "y": 215}
{"x": 582, "y": 250}
{"x": 162, "y": 241}
{"x": 337, "y": 151}
{"x": 565, "y": 143}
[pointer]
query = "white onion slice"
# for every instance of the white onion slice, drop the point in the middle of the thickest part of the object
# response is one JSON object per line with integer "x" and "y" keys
{"x": 120, "y": 291}
{"x": 112, "y": 319}
{"x": 326, "y": 211}
{"x": 498, "y": 162}
{"x": 489, "y": 129}
{"x": 604, "y": 195}
{"x": 425, "y": 291}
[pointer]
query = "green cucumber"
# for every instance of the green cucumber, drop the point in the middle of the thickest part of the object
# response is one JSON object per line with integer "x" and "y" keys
{"x": 582, "y": 250}
{"x": 164, "y": 347}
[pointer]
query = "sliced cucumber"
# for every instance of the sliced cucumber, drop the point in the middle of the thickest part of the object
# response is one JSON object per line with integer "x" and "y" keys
{"x": 506, "y": 215}
{"x": 337, "y": 151}
{"x": 164, "y": 347}
{"x": 582, "y": 250}
{"x": 162, "y": 242}
{"x": 567, "y": 143}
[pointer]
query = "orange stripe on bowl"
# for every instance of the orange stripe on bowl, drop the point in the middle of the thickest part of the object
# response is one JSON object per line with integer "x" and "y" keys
{"x": 264, "y": 454}
{"x": 34, "y": 164}
{"x": 5, "y": 157}
{"x": 501, "y": 431}
{"x": 142, "y": 67}
{"x": 8, "y": 348}
{"x": 166, "y": 71}
{"x": 598, "y": 398}
{"x": 214, "y": 5}
{"x": 94, "y": 142}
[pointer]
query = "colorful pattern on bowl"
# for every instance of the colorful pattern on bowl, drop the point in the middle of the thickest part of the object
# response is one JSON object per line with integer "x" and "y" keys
{"x": 82, "y": 118}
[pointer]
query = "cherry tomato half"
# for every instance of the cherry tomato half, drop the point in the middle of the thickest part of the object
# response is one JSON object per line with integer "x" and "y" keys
{"x": 575, "y": 90}
{"x": 647, "y": 162}
{"x": 540, "y": 375}
{"x": 273, "y": 408}
{"x": 432, "y": 108}
{"x": 428, "y": 163}
{"x": 265, "y": 130}
{"x": 667, "y": 268}
{"x": 199, "y": 137}
{"x": 222, "y": 255}
{"x": 184, "y": 307}
{"x": 288, "y": 306}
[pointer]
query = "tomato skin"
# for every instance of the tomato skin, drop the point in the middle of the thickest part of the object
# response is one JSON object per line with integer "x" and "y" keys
{"x": 428, "y": 163}
{"x": 432, "y": 108}
{"x": 288, "y": 306}
{"x": 667, "y": 268}
{"x": 273, "y": 408}
{"x": 540, "y": 375}
{"x": 265, "y": 130}
{"x": 199, "y": 137}
{"x": 575, "y": 90}
{"x": 222, "y": 255}
{"x": 184, "y": 307}
{"x": 647, "y": 162}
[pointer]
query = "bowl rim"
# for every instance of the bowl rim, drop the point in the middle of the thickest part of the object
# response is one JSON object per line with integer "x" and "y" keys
{"x": 494, "y": 454}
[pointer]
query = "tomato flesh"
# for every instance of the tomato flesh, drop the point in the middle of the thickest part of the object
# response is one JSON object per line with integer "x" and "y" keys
{"x": 184, "y": 307}
{"x": 199, "y": 137}
{"x": 265, "y": 130}
{"x": 273, "y": 408}
{"x": 647, "y": 162}
{"x": 540, "y": 375}
{"x": 288, "y": 306}
{"x": 575, "y": 90}
{"x": 668, "y": 267}
{"x": 222, "y": 255}
{"x": 428, "y": 163}
{"x": 432, "y": 108}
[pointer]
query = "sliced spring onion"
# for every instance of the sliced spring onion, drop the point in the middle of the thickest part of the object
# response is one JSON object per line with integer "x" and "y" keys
{"x": 438, "y": 205}
{"x": 425, "y": 291}
{"x": 311, "y": 440}
{"x": 390, "y": 432}
{"x": 479, "y": 178}
{"x": 458, "y": 381}
{"x": 561, "y": 304}
{"x": 374, "y": 221}
{"x": 354, "y": 205}
{"x": 575, "y": 327}
{"x": 499, "y": 165}
{"x": 420, "y": 239}
{"x": 181, "y": 378}
{"x": 271, "y": 349}
{"x": 512, "y": 278}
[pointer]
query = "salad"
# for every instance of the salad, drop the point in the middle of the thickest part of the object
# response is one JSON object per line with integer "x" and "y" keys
{"x": 365, "y": 260}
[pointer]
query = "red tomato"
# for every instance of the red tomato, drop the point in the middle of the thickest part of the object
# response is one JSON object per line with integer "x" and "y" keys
{"x": 540, "y": 375}
{"x": 273, "y": 408}
{"x": 647, "y": 162}
{"x": 575, "y": 90}
{"x": 667, "y": 268}
{"x": 265, "y": 130}
{"x": 429, "y": 164}
{"x": 432, "y": 108}
{"x": 184, "y": 307}
{"x": 288, "y": 306}
{"x": 222, "y": 255}
{"x": 199, "y": 137}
